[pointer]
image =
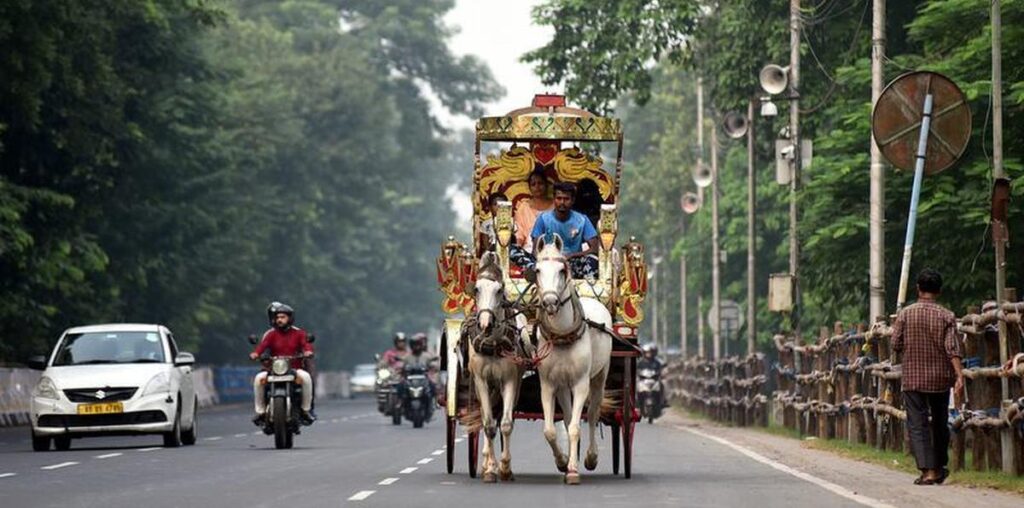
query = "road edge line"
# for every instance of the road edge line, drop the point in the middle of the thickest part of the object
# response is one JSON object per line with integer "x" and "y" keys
{"x": 825, "y": 484}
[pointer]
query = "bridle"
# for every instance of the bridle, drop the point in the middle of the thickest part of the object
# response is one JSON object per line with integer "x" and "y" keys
{"x": 575, "y": 331}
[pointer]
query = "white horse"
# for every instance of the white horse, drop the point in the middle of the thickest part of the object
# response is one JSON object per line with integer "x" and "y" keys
{"x": 578, "y": 356}
{"x": 494, "y": 339}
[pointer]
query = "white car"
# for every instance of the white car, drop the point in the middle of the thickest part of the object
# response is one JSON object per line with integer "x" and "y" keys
{"x": 114, "y": 379}
{"x": 364, "y": 378}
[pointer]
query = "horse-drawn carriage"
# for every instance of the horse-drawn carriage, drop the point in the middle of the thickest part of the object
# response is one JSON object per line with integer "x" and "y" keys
{"x": 558, "y": 141}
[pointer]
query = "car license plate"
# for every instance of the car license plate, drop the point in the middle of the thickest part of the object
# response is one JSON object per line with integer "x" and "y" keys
{"x": 277, "y": 379}
{"x": 101, "y": 408}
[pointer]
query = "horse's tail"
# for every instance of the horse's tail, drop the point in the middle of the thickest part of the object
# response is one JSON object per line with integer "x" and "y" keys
{"x": 471, "y": 419}
{"x": 611, "y": 403}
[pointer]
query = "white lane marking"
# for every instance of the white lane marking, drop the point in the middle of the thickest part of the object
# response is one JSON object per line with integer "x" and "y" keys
{"x": 241, "y": 435}
{"x": 388, "y": 481}
{"x": 459, "y": 440}
{"x": 150, "y": 449}
{"x": 109, "y": 455}
{"x": 214, "y": 438}
{"x": 7, "y": 475}
{"x": 408, "y": 470}
{"x": 425, "y": 461}
{"x": 361, "y": 495}
{"x": 825, "y": 484}
{"x": 58, "y": 466}
{"x": 334, "y": 420}
{"x": 257, "y": 433}
{"x": 437, "y": 452}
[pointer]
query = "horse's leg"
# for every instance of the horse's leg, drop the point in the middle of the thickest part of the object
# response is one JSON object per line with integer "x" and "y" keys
{"x": 565, "y": 404}
{"x": 547, "y": 400}
{"x": 508, "y": 396}
{"x": 487, "y": 421}
{"x": 593, "y": 415}
{"x": 580, "y": 392}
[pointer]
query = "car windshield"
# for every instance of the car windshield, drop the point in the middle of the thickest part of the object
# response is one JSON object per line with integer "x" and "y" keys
{"x": 365, "y": 370}
{"x": 110, "y": 347}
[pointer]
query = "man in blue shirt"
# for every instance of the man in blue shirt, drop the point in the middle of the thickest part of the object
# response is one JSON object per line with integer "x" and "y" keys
{"x": 574, "y": 228}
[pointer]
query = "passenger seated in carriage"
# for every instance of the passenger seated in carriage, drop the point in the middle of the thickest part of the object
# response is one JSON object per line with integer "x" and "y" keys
{"x": 579, "y": 237}
{"x": 528, "y": 209}
{"x": 489, "y": 240}
{"x": 588, "y": 200}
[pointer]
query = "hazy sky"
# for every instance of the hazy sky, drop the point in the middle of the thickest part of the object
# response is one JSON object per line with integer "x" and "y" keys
{"x": 499, "y": 32}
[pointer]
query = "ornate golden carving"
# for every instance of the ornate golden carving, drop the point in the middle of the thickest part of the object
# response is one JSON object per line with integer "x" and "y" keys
{"x": 455, "y": 269}
{"x": 632, "y": 283}
{"x": 530, "y": 127}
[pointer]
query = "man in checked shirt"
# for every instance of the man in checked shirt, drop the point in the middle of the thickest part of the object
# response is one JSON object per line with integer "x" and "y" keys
{"x": 925, "y": 335}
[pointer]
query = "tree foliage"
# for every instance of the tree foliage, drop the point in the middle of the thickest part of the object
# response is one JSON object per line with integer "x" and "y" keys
{"x": 188, "y": 162}
{"x": 728, "y": 43}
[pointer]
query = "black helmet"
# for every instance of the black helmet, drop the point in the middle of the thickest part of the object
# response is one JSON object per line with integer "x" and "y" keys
{"x": 399, "y": 337}
{"x": 650, "y": 348}
{"x": 418, "y": 344}
{"x": 276, "y": 308}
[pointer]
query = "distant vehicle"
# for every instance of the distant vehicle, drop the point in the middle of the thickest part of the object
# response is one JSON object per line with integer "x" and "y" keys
{"x": 364, "y": 378}
{"x": 114, "y": 379}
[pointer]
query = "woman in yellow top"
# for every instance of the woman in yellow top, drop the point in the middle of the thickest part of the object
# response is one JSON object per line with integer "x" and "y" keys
{"x": 528, "y": 210}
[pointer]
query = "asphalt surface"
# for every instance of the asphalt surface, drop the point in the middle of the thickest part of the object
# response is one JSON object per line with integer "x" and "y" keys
{"x": 354, "y": 457}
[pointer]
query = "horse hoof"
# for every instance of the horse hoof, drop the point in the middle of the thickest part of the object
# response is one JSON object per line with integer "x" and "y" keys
{"x": 572, "y": 478}
{"x": 490, "y": 478}
{"x": 507, "y": 476}
{"x": 591, "y": 462}
{"x": 562, "y": 463}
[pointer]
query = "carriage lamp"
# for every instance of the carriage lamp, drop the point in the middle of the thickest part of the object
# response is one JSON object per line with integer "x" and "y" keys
{"x": 503, "y": 222}
{"x": 608, "y": 223}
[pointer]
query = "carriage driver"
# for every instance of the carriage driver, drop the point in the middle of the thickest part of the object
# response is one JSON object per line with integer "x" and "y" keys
{"x": 284, "y": 339}
{"x": 575, "y": 229}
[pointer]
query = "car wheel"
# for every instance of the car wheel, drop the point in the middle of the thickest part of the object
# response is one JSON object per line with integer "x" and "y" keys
{"x": 62, "y": 443}
{"x": 172, "y": 439}
{"x": 40, "y": 443}
{"x": 189, "y": 436}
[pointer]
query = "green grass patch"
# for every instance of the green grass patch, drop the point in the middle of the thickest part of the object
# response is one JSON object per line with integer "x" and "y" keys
{"x": 901, "y": 461}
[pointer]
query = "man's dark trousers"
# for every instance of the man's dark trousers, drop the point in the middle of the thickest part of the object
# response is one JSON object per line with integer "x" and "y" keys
{"x": 929, "y": 440}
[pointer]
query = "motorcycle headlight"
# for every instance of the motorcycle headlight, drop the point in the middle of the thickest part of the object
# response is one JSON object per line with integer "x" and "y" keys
{"x": 161, "y": 383}
{"x": 279, "y": 367}
{"x": 46, "y": 389}
{"x": 383, "y": 374}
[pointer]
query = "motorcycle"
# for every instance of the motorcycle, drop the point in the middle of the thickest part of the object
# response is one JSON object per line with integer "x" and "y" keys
{"x": 415, "y": 396}
{"x": 388, "y": 402}
{"x": 284, "y": 398}
{"x": 648, "y": 393}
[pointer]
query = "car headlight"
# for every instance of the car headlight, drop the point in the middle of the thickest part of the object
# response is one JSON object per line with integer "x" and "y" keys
{"x": 161, "y": 383}
{"x": 46, "y": 389}
{"x": 279, "y": 367}
{"x": 383, "y": 374}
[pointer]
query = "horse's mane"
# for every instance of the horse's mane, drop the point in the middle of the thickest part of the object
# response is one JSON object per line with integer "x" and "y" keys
{"x": 489, "y": 267}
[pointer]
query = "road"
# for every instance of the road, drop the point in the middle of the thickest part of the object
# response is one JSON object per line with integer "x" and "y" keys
{"x": 354, "y": 457}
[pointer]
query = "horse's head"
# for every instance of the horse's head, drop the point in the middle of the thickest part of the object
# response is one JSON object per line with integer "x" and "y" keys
{"x": 553, "y": 274}
{"x": 489, "y": 290}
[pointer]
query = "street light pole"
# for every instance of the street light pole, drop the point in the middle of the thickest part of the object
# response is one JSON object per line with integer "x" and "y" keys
{"x": 794, "y": 184}
{"x": 716, "y": 296}
{"x": 751, "y": 237}
{"x": 876, "y": 265}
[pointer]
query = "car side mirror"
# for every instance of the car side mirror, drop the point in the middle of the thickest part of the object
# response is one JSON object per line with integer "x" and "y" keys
{"x": 310, "y": 337}
{"x": 184, "y": 359}
{"x": 252, "y": 339}
{"x": 37, "y": 362}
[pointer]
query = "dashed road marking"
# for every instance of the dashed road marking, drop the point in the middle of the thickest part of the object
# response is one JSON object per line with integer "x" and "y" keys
{"x": 361, "y": 495}
{"x": 150, "y": 449}
{"x": 257, "y": 433}
{"x": 437, "y": 452}
{"x": 334, "y": 420}
{"x": 425, "y": 461}
{"x": 214, "y": 438}
{"x": 825, "y": 484}
{"x": 459, "y": 440}
{"x": 7, "y": 475}
{"x": 108, "y": 455}
{"x": 241, "y": 435}
{"x": 388, "y": 481}
{"x": 408, "y": 470}
{"x": 58, "y": 466}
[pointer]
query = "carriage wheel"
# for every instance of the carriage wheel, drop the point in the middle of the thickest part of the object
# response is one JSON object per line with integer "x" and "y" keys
{"x": 615, "y": 449}
{"x": 450, "y": 444}
{"x": 474, "y": 452}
